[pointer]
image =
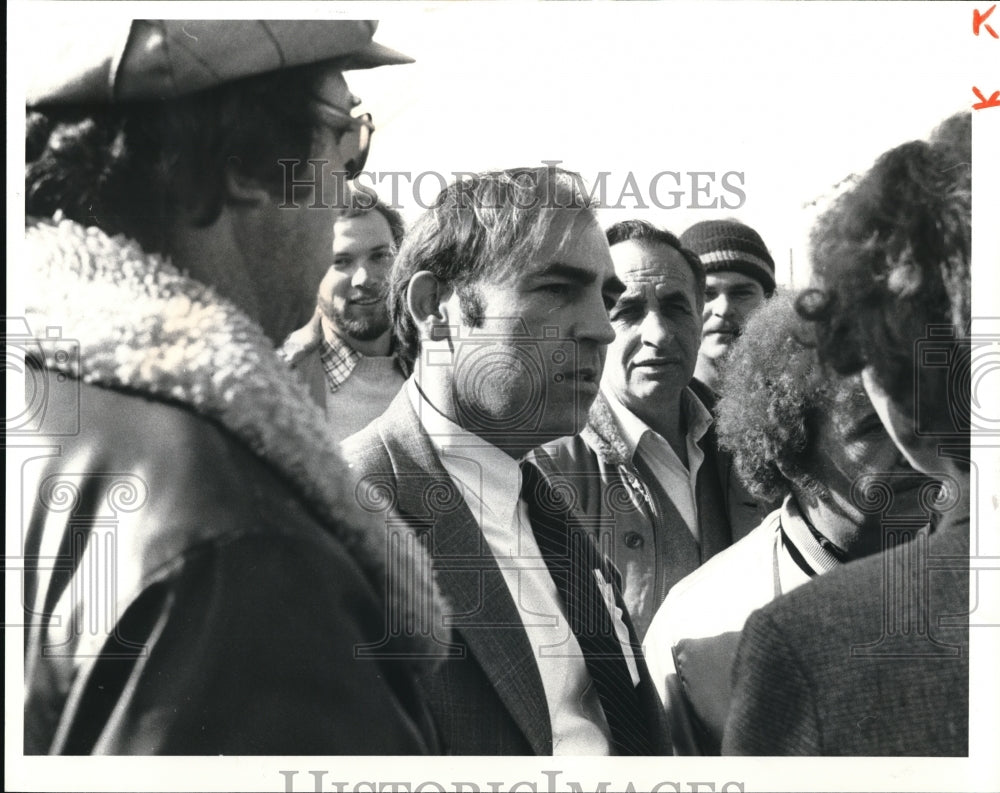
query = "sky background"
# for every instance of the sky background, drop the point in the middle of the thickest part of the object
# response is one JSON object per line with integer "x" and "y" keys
{"x": 794, "y": 96}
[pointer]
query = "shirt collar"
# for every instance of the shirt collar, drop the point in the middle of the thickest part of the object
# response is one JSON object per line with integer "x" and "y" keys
{"x": 489, "y": 478}
{"x": 339, "y": 359}
{"x": 797, "y": 534}
{"x": 697, "y": 418}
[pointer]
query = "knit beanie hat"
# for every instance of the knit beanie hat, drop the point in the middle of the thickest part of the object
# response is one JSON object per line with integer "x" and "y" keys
{"x": 729, "y": 245}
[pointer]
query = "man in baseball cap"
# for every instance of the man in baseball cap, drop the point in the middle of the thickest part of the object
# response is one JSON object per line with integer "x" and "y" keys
{"x": 202, "y": 582}
{"x": 739, "y": 277}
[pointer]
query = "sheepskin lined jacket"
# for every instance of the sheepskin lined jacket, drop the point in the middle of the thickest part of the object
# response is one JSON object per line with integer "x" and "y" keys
{"x": 197, "y": 579}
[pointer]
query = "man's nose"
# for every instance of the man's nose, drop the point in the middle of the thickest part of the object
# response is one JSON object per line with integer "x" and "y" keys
{"x": 367, "y": 275}
{"x": 598, "y": 328}
{"x": 719, "y": 307}
{"x": 595, "y": 324}
{"x": 654, "y": 330}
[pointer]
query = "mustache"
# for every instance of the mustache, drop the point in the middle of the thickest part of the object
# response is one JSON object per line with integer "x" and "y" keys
{"x": 368, "y": 294}
{"x": 734, "y": 330}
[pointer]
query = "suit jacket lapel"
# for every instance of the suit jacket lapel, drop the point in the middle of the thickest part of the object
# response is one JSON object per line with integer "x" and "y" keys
{"x": 656, "y": 718}
{"x": 659, "y": 730}
{"x": 480, "y": 606}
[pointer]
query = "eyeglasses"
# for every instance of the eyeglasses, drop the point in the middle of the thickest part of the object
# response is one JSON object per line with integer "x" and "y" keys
{"x": 355, "y": 134}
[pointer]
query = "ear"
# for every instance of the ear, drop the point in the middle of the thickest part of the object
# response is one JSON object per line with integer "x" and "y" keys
{"x": 427, "y": 301}
{"x": 243, "y": 189}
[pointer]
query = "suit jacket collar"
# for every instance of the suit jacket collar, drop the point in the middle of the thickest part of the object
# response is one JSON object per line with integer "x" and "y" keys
{"x": 483, "y": 613}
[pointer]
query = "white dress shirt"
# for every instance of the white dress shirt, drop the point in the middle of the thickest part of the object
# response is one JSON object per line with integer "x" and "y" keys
{"x": 490, "y": 482}
{"x": 677, "y": 480}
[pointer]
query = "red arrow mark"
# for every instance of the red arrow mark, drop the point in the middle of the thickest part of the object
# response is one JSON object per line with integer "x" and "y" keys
{"x": 979, "y": 20}
{"x": 983, "y": 103}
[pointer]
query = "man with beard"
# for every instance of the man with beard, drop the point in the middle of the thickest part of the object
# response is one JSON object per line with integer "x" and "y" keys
{"x": 344, "y": 355}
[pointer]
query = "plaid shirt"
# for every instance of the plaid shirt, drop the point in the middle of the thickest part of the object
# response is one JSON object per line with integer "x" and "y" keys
{"x": 338, "y": 360}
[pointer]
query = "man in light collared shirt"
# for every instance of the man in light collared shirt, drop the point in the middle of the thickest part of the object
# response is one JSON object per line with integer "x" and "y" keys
{"x": 500, "y": 299}
{"x": 647, "y": 467}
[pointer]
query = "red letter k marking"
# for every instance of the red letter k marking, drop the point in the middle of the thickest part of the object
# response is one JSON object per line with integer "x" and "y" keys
{"x": 983, "y": 103}
{"x": 979, "y": 20}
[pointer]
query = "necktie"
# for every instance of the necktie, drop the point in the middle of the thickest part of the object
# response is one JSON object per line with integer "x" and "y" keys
{"x": 575, "y": 564}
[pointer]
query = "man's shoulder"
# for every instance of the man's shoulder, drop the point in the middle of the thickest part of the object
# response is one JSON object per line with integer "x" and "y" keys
{"x": 750, "y": 553}
{"x": 568, "y": 455}
{"x": 364, "y": 445}
{"x": 704, "y": 393}
{"x": 370, "y": 447}
{"x": 393, "y": 446}
{"x": 722, "y": 592}
{"x": 841, "y": 607}
{"x": 601, "y": 438}
{"x": 853, "y": 596}
{"x": 185, "y": 481}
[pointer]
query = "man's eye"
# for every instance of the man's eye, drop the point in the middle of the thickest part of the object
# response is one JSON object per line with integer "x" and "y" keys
{"x": 626, "y": 314}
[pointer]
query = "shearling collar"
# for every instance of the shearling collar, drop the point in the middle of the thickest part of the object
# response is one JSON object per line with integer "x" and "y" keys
{"x": 603, "y": 435}
{"x": 145, "y": 327}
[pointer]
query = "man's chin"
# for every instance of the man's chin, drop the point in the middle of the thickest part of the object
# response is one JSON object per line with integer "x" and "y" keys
{"x": 361, "y": 329}
{"x": 715, "y": 349}
{"x": 570, "y": 421}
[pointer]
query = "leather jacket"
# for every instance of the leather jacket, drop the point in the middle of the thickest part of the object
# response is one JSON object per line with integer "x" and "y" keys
{"x": 196, "y": 580}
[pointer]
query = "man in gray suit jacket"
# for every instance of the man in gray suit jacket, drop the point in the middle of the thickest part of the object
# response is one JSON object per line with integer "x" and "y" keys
{"x": 500, "y": 298}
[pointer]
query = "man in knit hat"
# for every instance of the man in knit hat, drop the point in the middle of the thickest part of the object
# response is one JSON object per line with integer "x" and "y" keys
{"x": 739, "y": 277}
{"x": 197, "y": 577}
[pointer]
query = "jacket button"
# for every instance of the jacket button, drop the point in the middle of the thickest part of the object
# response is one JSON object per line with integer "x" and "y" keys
{"x": 633, "y": 540}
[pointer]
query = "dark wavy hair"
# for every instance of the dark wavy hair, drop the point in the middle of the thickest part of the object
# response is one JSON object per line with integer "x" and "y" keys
{"x": 891, "y": 258}
{"x": 363, "y": 201}
{"x": 645, "y": 233}
{"x": 479, "y": 228}
{"x": 774, "y": 392}
{"x": 135, "y": 168}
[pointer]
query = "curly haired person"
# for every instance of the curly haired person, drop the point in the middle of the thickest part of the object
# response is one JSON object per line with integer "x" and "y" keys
{"x": 873, "y": 659}
{"x": 798, "y": 431}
